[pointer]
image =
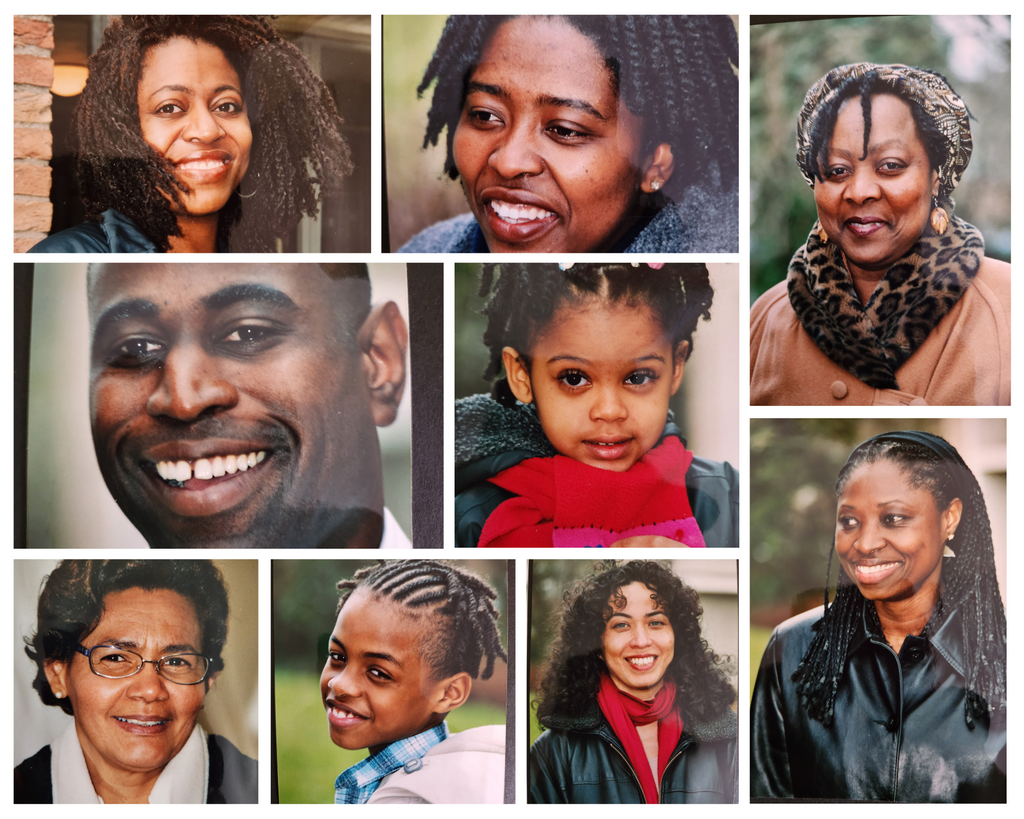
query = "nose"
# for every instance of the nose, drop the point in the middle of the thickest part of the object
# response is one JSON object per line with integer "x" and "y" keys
{"x": 190, "y": 385}
{"x": 871, "y": 537}
{"x": 201, "y": 126}
{"x": 607, "y": 404}
{"x": 344, "y": 685}
{"x": 641, "y": 638}
{"x": 517, "y": 153}
{"x": 862, "y": 186}
{"x": 148, "y": 685}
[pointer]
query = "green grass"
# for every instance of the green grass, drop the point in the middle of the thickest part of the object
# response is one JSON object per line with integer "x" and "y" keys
{"x": 758, "y": 642}
{"x": 307, "y": 761}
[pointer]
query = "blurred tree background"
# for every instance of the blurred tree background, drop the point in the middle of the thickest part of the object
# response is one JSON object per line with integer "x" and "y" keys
{"x": 786, "y": 59}
{"x": 305, "y": 599}
{"x": 552, "y": 580}
{"x": 794, "y": 464}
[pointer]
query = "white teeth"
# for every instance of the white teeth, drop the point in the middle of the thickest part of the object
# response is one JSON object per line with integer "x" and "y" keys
{"x": 876, "y": 569}
{"x": 518, "y": 213}
{"x": 205, "y": 469}
{"x": 147, "y": 723}
{"x": 641, "y": 662}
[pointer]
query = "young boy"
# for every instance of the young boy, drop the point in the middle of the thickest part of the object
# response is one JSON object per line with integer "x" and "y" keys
{"x": 408, "y": 642}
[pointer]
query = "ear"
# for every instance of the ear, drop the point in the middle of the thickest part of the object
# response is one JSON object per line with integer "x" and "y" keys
{"x": 951, "y": 518}
{"x": 210, "y": 680}
{"x": 677, "y": 365}
{"x": 56, "y": 675}
{"x": 383, "y": 340}
{"x": 453, "y": 692}
{"x": 518, "y": 375}
{"x": 658, "y": 169}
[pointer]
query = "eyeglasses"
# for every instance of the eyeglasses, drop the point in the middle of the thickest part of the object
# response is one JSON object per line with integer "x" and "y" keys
{"x": 115, "y": 663}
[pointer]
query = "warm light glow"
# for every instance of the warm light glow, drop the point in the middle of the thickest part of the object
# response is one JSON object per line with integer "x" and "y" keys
{"x": 69, "y": 80}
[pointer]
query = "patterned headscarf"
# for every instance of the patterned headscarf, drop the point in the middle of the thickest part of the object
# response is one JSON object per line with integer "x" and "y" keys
{"x": 926, "y": 88}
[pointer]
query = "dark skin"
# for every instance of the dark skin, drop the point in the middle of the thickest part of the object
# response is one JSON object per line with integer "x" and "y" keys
{"x": 199, "y": 368}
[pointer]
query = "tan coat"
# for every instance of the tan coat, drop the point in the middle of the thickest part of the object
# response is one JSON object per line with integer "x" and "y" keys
{"x": 965, "y": 360}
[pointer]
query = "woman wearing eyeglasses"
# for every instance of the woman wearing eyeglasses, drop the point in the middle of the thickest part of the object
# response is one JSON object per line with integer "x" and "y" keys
{"x": 130, "y": 650}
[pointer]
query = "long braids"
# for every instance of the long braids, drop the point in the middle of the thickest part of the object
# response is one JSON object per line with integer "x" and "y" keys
{"x": 675, "y": 72}
{"x": 443, "y": 589}
{"x": 522, "y": 298}
{"x": 971, "y": 586}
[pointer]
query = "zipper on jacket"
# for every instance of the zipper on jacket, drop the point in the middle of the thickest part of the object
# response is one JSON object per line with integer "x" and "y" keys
{"x": 899, "y": 733}
{"x": 671, "y": 759}
{"x": 636, "y": 778}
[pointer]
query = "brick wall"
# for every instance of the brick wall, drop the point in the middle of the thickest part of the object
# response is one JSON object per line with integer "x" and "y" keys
{"x": 33, "y": 143}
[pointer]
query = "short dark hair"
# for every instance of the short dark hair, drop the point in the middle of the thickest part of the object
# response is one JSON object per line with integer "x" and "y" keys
{"x": 71, "y": 604}
{"x": 297, "y": 154}
{"x": 867, "y": 86}
{"x": 575, "y": 660}
{"x": 676, "y": 73}
{"x": 522, "y": 298}
{"x": 970, "y": 580}
{"x": 468, "y": 637}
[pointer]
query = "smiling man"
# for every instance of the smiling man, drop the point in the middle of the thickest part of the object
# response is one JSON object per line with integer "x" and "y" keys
{"x": 236, "y": 405}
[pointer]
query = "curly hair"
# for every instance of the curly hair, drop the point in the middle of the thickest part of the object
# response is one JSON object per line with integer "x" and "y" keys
{"x": 73, "y": 598}
{"x": 575, "y": 661}
{"x": 522, "y": 299}
{"x": 676, "y": 73}
{"x": 865, "y": 87}
{"x": 297, "y": 153}
{"x": 468, "y": 634}
{"x": 932, "y": 464}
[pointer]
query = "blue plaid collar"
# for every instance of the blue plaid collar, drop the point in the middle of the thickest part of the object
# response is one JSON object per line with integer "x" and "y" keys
{"x": 356, "y": 785}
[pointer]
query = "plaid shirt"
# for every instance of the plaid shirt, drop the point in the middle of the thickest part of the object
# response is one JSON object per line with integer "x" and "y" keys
{"x": 356, "y": 785}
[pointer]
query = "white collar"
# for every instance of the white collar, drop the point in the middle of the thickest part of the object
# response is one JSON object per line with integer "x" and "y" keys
{"x": 393, "y": 537}
{"x": 183, "y": 780}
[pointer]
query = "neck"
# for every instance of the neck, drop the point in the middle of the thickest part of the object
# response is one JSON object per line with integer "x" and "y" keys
{"x": 864, "y": 281}
{"x": 902, "y": 617}
{"x": 198, "y": 234}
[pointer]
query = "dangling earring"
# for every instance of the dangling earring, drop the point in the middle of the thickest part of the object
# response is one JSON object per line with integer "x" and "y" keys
{"x": 946, "y": 551}
{"x": 939, "y": 217}
{"x": 822, "y": 235}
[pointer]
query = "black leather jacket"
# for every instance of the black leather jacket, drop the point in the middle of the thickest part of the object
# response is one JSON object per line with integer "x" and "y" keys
{"x": 581, "y": 761}
{"x": 898, "y": 734}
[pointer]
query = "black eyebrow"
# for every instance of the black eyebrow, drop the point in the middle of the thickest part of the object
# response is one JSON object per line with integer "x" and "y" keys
{"x": 124, "y": 311}
{"x": 543, "y": 99}
{"x": 184, "y": 89}
{"x": 133, "y": 645}
{"x": 380, "y": 655}
{"x": 249, "y": 292}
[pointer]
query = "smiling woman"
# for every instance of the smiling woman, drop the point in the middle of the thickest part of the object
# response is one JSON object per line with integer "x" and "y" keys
{"x": 571, "y": 134}
{"x": 131, "y": 650}
{"x": 200, "y": 134}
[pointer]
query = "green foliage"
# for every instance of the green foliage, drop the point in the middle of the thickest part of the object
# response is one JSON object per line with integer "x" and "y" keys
{"x": 307, "y": 761}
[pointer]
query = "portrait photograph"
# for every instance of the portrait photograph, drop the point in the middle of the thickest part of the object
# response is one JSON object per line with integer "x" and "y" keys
{"x": 880, "y": 257}
{"x": 218, "y": 405}
{"x": 588, "y": 396}
{"x": 135, "y": 681}
{"x": 414, "y": 659}
{"x": 193, "y": 134}
{"x": 527, "y": 134}
{"x": 633, "y": 675}
{"x": 878, "y": 588}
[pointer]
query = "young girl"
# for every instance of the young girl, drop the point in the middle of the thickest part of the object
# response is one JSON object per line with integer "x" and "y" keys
{"x": 576, "y": 445}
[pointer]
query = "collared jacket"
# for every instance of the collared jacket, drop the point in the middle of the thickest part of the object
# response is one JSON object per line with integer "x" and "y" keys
{"x": 491, "y": 438}
{"x": 898, "y": 732}
{"x": 579, "y": 760}
{"x": 114, "y": 233}
{"x": 964, "y": 361}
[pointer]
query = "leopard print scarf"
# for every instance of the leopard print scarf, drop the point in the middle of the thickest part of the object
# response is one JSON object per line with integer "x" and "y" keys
{"x": 873, "y": 341}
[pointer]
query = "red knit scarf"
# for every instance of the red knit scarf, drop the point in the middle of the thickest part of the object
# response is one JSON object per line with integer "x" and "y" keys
{"x": 624, "y": 712}
{"x": 562, "y": 502}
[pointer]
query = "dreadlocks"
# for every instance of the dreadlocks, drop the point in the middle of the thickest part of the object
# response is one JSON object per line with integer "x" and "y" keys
{"x": 576, "y": 660}
{"x": 676, "y": 73}
{"x": 932, "y": 464}
{"x": 523, "y": 298}
{"x": 469, "y": 635}
{"x": 298, "y": 151}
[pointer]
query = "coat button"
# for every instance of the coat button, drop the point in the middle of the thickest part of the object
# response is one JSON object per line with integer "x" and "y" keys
{"x": 914, "y": 654}
{"x": 839, "y": 389}
{"x": 892, "y": 724}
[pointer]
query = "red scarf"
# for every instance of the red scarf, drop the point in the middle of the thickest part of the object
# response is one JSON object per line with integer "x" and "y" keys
{"x": 562, "y": 502}
{"x": 624, "y": 712}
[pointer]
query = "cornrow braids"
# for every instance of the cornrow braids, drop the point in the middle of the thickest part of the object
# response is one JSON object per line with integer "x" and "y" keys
{"x": 470, "y": 636}
{"x": 575, "y": 660}
{"x": 297, "y": 154}
{"x": 865, "y": 87}
{"x": 676, "y": 73}
{"x": 522, "y": 299}
{"x": 970, "y": 580}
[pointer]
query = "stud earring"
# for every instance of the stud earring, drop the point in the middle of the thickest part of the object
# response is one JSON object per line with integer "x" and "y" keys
{"x": 939, "y": 218}
{"x": 655, "y": 185}
{"x": 59, "y": 694}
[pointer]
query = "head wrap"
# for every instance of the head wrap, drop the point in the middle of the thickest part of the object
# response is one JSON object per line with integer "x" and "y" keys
{"x": 926, "y": 88}
{"x": 940, "y": 446}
